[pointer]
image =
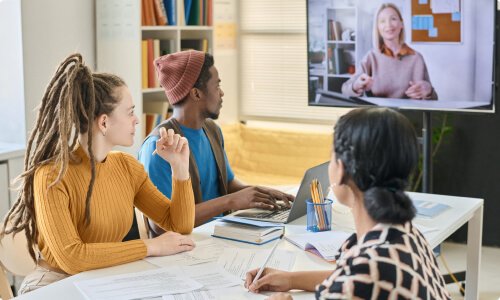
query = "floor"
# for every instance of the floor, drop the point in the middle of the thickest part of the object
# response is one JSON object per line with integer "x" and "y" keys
{"x": 489, "y": 280}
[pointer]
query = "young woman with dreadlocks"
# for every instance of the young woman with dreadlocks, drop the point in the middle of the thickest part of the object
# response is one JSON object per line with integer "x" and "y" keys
{"x": 77, "y": 197}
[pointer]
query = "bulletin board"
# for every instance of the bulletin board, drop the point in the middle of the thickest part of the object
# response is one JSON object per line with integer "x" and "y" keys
{"x": 439, "y": 21}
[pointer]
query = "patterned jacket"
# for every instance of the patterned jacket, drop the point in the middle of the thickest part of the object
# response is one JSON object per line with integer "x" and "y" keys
{"x": 389, "y": 262}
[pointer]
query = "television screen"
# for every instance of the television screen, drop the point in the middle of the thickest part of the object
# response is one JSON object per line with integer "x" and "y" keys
{"x": 409, "y": 54}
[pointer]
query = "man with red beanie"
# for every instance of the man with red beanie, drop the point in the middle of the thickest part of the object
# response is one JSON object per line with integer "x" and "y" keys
{"x": 192, "y": 85}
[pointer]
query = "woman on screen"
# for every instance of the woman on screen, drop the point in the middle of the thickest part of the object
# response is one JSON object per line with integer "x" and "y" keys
{"x": 375, "y": 151}
{"x": 391, "y": 69}
{"x": 77, "y": 197}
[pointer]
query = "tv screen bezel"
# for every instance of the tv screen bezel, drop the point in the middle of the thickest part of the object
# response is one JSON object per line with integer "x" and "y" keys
{"x": 490, "y": 109}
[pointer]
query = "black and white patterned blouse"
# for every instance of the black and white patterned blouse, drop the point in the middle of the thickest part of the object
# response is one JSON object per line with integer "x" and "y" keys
{"x": 389, "y": 262}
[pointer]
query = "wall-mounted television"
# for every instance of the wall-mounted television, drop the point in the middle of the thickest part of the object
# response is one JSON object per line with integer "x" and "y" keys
{"x": 408, "y": 54}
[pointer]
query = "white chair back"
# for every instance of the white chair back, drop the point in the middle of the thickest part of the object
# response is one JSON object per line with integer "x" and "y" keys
{"x": 14, "y": 258}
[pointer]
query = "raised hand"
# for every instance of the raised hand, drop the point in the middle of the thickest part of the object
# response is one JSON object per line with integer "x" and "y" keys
{"x": 363, "y": 83}
{"x": 168, "y": 243}
{"x": 175, "y": 150}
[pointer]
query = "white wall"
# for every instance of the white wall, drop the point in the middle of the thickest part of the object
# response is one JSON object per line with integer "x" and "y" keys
{"x": 11, "y": 74}
{"x": 53, "y": 29}
{"x": 226, "y": 56}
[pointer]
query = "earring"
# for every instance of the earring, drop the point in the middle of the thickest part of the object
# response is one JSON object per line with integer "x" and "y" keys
{"x": 104, "y": 133}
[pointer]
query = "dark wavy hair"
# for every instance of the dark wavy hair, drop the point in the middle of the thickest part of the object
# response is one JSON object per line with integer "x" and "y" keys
{"x": 379, "y": 150}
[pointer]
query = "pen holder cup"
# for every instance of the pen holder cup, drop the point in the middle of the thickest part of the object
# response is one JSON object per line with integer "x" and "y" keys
{"x": 319, "y": 215}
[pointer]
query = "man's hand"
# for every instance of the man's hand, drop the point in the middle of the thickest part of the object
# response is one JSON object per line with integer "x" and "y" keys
{"x": 258, "y": 197}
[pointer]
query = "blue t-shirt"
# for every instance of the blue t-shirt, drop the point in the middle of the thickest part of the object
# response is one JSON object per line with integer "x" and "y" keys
{"x": 160, "y": 172}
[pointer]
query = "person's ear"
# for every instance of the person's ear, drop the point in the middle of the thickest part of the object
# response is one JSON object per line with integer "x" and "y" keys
{"x": 195, "y": 94}
{"x": 102, "y": 123}
{"x": 340, "y": 170}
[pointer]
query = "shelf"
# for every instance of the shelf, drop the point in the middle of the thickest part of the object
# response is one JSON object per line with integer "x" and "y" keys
{"x": 347, "y": 75}
{"x": 342, "y": 42}
{"x": 163, "y": 28}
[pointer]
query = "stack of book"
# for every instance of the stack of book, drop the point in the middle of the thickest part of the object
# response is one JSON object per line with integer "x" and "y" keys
{"x": 247, "y": 231}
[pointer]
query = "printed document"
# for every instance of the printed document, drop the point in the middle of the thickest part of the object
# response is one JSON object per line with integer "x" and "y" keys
{"x": 150, "y": 283}
{"x": 211, "y": 275}
{"x": 205, "y": 251}
{"x": 237, "y": 292}
{"x": 238, "y": 261}
{"x": 326, "y": 243}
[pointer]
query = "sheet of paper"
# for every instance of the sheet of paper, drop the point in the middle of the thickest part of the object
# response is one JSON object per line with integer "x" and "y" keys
{"x": 211, "y": 276}
{"x": 326, "y": 242}
{"x": 424, "y": 229}
{"x": 445, "y": 6}
{"x": 239, "y": 261}
{"x": 205, "y": 251}
{"x": 237, "y": 292}
{"x": 150, "y": 283}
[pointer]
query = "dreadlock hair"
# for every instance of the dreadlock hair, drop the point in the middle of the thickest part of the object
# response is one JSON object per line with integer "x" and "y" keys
{"x": 73, "y": 99}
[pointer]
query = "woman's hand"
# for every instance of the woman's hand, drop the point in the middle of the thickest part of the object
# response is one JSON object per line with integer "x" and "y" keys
{"x": 270, "y": 280}
{"x": 168, "y": 243}
{"x": 420, "y": 89}
{"x": 175, "y": 150}
{"x": 280, "y": 296}
{"x": 362, "y": 83}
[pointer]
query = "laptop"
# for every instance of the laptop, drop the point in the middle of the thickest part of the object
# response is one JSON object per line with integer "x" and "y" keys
{"x": 299, "y": 207}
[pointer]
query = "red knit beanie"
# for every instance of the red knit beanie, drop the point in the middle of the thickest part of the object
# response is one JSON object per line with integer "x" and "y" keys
{"x": 178, "y": 72}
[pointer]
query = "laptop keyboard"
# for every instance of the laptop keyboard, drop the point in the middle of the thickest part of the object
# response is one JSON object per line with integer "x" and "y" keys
{"x": 276, "y": 215}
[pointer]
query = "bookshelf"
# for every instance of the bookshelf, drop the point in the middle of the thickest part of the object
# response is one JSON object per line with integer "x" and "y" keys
{"x": 340, "y": 40}
{"x": 120, "y": 33}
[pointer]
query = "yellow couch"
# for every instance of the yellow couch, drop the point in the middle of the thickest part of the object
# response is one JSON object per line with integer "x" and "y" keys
{"x": 262, "y": 156}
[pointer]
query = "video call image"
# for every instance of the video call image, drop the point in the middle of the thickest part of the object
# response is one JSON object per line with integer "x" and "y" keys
{"x": 410, "y": 54}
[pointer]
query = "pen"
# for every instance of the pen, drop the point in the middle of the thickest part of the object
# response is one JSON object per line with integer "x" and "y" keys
{"x": 266, "y": 261}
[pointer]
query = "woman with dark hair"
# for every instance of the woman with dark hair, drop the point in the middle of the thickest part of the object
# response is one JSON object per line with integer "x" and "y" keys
{"x": 375, "y": 151}
{"x": 77, "y": 197}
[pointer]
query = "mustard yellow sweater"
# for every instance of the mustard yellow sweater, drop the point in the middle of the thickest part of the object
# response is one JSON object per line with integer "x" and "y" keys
{"x": 121, "y": 183}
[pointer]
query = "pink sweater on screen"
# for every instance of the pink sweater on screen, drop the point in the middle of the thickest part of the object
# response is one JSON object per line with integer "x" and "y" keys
{"x": 391, "y": 75}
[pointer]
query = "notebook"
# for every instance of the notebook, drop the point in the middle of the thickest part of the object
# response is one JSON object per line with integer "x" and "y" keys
{"x": 299, "y": 207}
{"x": 247, "y": 233}
{"x": 429, "y": 209}
{"x": 325, "y": 244}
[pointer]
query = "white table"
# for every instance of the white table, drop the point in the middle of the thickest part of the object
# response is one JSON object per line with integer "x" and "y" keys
{"x": 462, "y": 210}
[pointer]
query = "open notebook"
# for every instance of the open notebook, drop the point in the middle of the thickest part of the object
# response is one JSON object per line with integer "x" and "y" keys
{"x": 325, "y": 244}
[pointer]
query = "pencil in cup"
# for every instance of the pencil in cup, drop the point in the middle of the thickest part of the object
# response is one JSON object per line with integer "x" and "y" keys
{"x": 321, "y": 211}
{"x": 314, "y": 222}
{"x": 320, "y": 222}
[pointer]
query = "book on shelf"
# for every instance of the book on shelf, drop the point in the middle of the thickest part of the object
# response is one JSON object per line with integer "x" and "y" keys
{"x": 159, "y": 12}
{"x": 195, "y": 44}
{"x": 324, "y": 244}
{"x": 429, "y": 209}
{"x": 144, "y": 63}
{"x": 247, "y": 233}
{"x": 334, "y": 30}
{"x": 150, "y": 66}
{"x": 337, "y": 64}
{"x": 151, "y": 120}
{"x": 170, "y": 8}
{"x": 151, "y": 49}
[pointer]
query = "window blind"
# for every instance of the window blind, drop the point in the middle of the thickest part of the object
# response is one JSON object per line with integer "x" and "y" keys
{"x": 273, "y": 63}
